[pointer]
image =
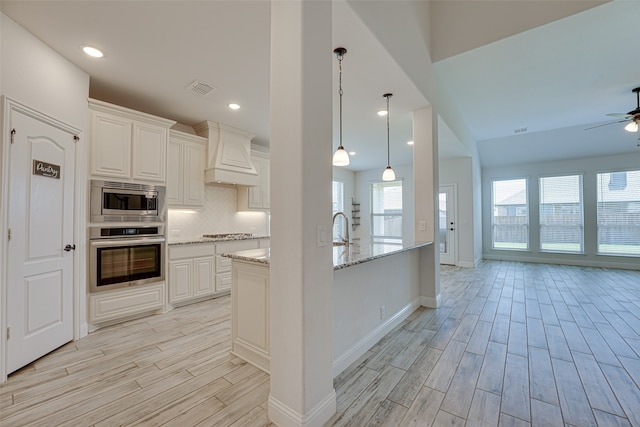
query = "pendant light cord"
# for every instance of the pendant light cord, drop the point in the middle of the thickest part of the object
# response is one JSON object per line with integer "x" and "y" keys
{"x": 388, "y": 159}
{"x": 340, "y": 92}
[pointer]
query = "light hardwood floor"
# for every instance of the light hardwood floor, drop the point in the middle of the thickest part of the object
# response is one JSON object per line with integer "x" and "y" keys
{"x": 512, "y": 344}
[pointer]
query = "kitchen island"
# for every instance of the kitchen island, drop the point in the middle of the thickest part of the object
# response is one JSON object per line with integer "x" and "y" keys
{"x": 375, "y": 287}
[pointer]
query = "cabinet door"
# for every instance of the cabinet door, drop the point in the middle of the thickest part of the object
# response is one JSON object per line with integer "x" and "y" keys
{"x": 194, "y": 158}
{"x": 255, "y": 193}
{"x": 180, "y": 280}
{"x": 175, "y": 172}
{"x": 265, "y": 183}
{"x": 149, "y": 152}
{"x": 204, "y": 276}
{"x": 110, "y": 145}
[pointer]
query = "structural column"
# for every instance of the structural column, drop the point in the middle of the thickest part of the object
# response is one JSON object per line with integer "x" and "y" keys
{"x": 426, "y": 188}
{"x": 301, "y": 278}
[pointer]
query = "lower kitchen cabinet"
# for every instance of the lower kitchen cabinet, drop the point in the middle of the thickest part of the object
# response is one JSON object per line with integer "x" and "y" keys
{"x": 223, "y": 265}
{"x": 121, "y": 303}
{"x": 191, "y": 272}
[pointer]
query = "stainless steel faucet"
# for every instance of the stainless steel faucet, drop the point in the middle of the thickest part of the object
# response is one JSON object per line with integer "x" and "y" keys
{"x": 344, "y": 241}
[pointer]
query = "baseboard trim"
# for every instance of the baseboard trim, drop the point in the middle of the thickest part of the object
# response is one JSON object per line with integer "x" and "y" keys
{"x": 361, "y": 347}
{"x": 565, "y": 261}
{"x": 430, "y": 302}
{"x": 283, "y": 416}
{"x": 84, "y": 330}
{"x": 465, "y": 264}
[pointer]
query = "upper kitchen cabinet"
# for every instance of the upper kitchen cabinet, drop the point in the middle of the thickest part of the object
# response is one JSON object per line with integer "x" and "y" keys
{"x": 185, "y": 170}
{"x": 127, "y": 144}
{"x": 258, "y": 197}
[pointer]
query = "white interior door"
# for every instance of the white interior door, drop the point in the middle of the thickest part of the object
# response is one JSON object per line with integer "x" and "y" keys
{"x": 447, "y": 209}
{"x": 40, "y": 220}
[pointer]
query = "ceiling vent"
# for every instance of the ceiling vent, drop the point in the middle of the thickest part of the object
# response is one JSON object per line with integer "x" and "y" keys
{"x": 200, "y": 88}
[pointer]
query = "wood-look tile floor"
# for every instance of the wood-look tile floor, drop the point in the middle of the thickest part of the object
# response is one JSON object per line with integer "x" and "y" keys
{"x": 512, "y": 344}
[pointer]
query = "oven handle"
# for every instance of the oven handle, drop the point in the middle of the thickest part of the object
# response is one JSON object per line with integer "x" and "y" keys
{"x": 114, "y": 242}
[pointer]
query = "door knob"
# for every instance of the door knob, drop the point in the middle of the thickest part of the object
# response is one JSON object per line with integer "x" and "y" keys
{"x": 70, "y": 248}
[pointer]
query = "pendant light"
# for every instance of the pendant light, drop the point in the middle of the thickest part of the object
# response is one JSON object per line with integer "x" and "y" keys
{"x": 388, "y": 174}
{"x": 340, "y": 157}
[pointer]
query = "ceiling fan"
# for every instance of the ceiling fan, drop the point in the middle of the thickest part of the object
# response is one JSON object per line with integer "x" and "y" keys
{"x": 633, "y": 116}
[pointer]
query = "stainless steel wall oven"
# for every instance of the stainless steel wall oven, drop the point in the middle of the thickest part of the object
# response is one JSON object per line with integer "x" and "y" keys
{"x": 113, "y": 201}
{"x": 123, "y": 256}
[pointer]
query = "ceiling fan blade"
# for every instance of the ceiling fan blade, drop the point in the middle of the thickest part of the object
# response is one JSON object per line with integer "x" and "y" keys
{"x": 620, "y": 115}
{"x": 606, "y": 124}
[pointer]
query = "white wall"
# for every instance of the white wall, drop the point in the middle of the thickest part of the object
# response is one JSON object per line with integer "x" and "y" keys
{"x": 458, "y": 171}
{"x": 588, "y": 167}
{"x": 37, "y": 76}
{"x": 219, "y": 215}
{"x": 476, "y": 171}
{"x": 362, "y": 181}
{"x": 33, "y": 74}
{"x": 393, "y": 282}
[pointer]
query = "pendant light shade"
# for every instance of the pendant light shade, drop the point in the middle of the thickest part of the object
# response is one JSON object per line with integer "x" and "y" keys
{"x": 388, "y": 174}
{"x": 340, "y": 157}
{"x": 632, "y": 126}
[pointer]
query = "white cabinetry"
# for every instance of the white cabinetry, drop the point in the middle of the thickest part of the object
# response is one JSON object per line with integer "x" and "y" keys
{"x": 127, "y": 144}
{"x": 250, "y": 317}
{"x": 185, "y": 170}
{"x": 122, "y": 303}
{"x": 191, "y": 272}
{"x": 223, "y": 265}
{"x": 259, "y": 197}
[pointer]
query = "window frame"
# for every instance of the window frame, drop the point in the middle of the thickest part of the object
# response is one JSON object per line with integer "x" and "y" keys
{"x": 581, "y": 250}
{"x": 599, "y": 224}
{"x": 527, "y": 225}
{"x": 390, "y": 239}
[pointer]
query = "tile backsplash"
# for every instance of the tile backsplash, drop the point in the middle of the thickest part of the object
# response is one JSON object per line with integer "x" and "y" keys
{"x": 219, "y": 215}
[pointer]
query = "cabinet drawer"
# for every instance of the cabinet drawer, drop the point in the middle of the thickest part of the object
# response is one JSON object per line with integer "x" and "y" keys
{"x": 240, "y": 245}
{"x": 123, "y": 303}
{"x": 223, "y": 264}
{"x": 190, "y": 251}
{"x": 223, "y": 282}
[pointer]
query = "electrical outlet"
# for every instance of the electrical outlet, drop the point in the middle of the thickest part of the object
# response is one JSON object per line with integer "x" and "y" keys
{"x": 422, "y": 225}
{"x": 383, "y": 312}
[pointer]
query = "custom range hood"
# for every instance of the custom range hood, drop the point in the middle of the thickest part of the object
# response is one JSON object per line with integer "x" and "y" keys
{"x": 228, "y": 155}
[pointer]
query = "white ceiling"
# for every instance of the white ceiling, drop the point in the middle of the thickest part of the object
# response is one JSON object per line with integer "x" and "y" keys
{"x": 556, "y": 80}
{"x": 566, "y": 73}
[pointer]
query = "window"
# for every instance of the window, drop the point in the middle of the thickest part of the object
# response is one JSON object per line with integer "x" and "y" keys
{"x": 561, "y": 219}
{"x": 510, "y": 219}
{"x": 337, "y": 205}
{"x": 386, "y": 211}
{"x": 618, "y": 213}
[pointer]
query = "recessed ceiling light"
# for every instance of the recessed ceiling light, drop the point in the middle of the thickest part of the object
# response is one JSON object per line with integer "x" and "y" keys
{"x": 382, "y": 113}
{"x": 352, "y": 153}
{"x": 92, "y": 51}
{"x": 409, "y": 142}
{"x": 234, "y": 106}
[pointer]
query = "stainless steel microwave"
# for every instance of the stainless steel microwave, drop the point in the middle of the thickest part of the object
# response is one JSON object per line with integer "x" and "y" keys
{"x": 113, "y": 201}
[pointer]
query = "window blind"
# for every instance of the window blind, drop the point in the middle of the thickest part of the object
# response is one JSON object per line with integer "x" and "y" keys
{"x": 619, "y": 213}
{"x": 561, "y": 214}
{"x": 510, "y": 219}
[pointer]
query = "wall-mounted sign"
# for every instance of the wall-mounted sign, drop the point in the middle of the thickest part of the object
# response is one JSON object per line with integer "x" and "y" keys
{"x": 46, "y": 169}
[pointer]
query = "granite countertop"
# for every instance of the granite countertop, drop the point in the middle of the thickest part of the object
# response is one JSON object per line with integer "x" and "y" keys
{"x": 342, "y": 257}
{"x": 213, "y": 238}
